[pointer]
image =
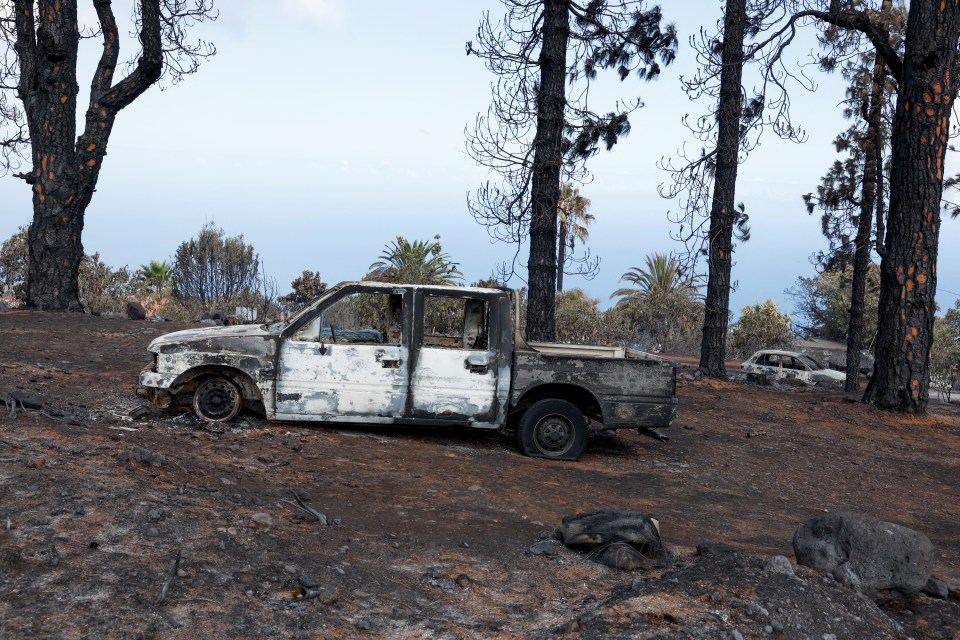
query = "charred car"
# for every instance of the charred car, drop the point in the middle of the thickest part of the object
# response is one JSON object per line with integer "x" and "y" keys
{"x": 781, "y": 365}
{"x": 376, "y": 353}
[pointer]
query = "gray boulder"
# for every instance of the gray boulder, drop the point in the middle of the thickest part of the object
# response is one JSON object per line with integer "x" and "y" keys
{"x": 779, "y": 564}
{"x": 866, "y": 554}
{"x": 936, "y": 588}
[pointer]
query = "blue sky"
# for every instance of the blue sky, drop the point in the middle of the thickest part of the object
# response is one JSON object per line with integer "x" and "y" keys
{"x": 324, "y": 128}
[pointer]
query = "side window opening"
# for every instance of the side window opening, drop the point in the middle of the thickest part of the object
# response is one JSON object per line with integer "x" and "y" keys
{"x": 455, "y": 323}
{"x": 795, "y": 364}
{"x": 359, "y": 318}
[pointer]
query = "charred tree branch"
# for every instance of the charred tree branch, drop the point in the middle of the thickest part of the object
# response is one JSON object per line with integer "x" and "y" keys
{"x": 150, "y": 65}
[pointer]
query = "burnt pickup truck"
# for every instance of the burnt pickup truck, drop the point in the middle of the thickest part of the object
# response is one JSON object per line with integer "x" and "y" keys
{"x": 376, "y": 353}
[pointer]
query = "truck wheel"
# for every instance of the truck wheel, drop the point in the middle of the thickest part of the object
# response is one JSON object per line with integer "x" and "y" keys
{"x": 217, "y": 400}
{"x": 552, "y": 429}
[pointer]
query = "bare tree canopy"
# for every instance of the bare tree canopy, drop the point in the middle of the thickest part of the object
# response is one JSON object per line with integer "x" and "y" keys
{"x": 709, "y": 218}
{"x": 38, "y": 112}
{"x": 852, "y": 190}
{"x": 215, "y": 268}
{"x": 927, "y": 86}
{"x": 540, "y": 130}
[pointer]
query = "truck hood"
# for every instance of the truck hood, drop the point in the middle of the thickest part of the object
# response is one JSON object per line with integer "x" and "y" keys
{"x": 213, "y": 337}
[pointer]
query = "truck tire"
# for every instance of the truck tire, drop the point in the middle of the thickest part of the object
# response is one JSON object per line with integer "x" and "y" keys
{"x": 553, "y": 429}
{"x": 217, "y": 400}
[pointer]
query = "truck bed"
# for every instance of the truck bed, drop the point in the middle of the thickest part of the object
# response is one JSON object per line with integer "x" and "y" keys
{"x": 631, "y": 391}
{"x": 589, "y": 350}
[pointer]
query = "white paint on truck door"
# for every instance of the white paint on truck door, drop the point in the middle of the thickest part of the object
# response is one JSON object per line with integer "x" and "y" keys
{"x": 348, "y": 364}
{"x": 455, "y": 374}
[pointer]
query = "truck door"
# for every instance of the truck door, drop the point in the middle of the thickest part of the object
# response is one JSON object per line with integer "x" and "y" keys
{"x": 348, "y": 363}
{"x": 455, "y": 372}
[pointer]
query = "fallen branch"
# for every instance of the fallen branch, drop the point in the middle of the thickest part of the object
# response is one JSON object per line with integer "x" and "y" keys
{"x": 303, "y": 508}
{"x": 171, "y": 574}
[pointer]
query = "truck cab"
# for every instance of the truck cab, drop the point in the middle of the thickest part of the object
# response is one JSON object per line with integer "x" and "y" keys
{"x": 386, "y": 354}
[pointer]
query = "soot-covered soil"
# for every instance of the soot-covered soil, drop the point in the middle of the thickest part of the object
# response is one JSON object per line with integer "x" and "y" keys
{"x": 429, "y": 532}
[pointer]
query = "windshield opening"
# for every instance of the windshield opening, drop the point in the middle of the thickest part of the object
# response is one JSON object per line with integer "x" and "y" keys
{"x": 299, "y": 314}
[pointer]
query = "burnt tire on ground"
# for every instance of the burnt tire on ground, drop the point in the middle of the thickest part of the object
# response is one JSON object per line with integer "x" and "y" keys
{"x": 217, "y": 400}
{"x": 552, "y": 429}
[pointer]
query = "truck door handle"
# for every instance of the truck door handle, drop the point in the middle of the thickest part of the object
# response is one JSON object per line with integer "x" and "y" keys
{"x": 477, "y": 363}
{"x": 390, "y": 363}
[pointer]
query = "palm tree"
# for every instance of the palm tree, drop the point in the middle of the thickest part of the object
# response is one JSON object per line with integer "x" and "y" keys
{"x": 665, "y": 299}
{"x": 573, "y": 218}
{"x": 662, "y": 280}
{"x": 157, "y": 274}
{"x": 417, "y": 262}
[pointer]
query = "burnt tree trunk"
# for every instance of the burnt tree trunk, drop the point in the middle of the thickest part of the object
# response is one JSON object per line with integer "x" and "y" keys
{"x": 561, "y": 254}
{"x": 868, "y": 196}
{"x": 545, "y": 180}
{"x": 723, "y": 214}
{"x": 66, "y": 167}
{"x": 908, "y": 275}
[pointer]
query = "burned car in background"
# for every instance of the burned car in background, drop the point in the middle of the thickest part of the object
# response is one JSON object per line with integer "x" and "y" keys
{"x": 376, "y": 353}
{"x": 833, "y": 355}
{"x": 780, "y": 365}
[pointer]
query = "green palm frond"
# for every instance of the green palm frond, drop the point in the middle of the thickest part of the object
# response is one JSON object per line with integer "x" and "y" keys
{"x": 156, "y": 274}
{"x": 416, "y": 262}
{"x": 662, "y": 280}
{"x": 572, "y": 214}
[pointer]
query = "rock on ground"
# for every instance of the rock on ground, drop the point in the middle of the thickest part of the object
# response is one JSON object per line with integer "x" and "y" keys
{"x": 870, "y": 555}
{"x": 135, "y": 310}
{"x": 723, "y": 596}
